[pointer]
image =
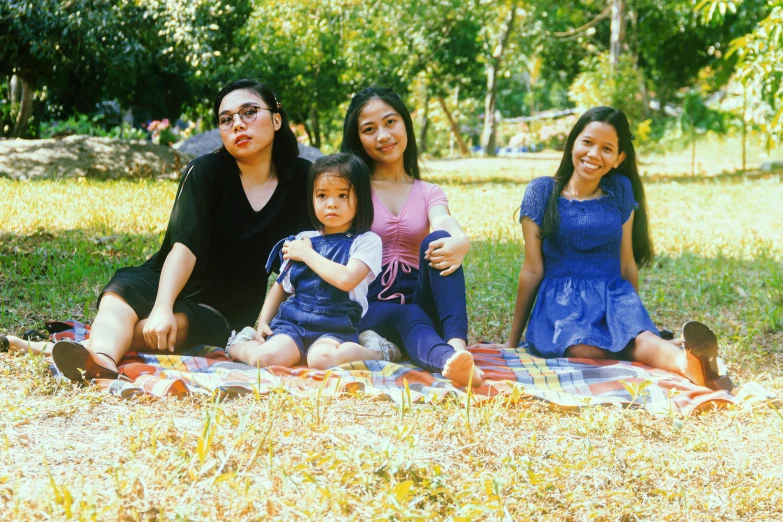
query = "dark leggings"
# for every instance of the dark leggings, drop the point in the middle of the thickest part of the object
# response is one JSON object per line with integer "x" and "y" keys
{"x": 435, "y": 311}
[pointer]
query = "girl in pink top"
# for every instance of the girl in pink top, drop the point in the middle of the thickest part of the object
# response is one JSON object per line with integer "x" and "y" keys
{"x": 419, "y": 299}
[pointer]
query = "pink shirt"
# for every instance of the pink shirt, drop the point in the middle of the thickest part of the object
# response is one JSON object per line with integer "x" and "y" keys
{"x": 402, "y": 235}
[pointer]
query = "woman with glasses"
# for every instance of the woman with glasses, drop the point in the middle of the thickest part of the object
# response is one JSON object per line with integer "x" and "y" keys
{"x": 231, "y": 207}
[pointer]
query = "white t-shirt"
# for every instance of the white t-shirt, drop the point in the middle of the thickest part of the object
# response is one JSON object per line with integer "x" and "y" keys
{"x": 367, "y": 248}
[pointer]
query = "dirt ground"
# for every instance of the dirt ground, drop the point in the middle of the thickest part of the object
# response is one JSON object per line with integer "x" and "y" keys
{"x": 87, "y": 156}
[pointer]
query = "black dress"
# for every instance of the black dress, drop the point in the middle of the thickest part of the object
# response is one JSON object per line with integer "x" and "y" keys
{"x": 231, "y": 242}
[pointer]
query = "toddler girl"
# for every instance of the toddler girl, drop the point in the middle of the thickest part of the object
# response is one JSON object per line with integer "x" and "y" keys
{"x": 312, "y": 311}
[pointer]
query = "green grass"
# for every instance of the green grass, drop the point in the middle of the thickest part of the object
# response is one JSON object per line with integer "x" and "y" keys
{"x": 70, "y": 453}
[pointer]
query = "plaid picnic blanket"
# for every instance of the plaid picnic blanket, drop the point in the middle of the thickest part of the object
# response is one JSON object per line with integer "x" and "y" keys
{"x": 509, "y": 374}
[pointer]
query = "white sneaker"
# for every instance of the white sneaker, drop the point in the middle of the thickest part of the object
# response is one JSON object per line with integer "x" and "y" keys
{"x": 373, "y": 341}
{"x": 248, "y": 333}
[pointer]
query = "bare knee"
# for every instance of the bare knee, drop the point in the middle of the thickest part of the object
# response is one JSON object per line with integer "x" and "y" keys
{"x": 646, "y": 340}
{"x": 322, "y": 357}
{"x": 116, "y": 305}
{"x": 586, "y": 351}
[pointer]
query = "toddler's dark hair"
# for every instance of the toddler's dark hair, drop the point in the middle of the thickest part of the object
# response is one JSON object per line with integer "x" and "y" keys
{"x": 353, "y": 170}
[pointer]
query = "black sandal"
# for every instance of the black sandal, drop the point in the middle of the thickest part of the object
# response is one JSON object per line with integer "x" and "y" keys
{"x": 76, "y": 363}
{"x": 701, "y": 348}
{"x": 5, "y": 344}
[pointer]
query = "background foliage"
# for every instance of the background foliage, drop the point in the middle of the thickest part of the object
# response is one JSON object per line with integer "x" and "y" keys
{"x": 143, "y": 60}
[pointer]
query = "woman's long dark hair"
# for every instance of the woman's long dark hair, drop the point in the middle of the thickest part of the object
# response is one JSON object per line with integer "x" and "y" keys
{"x": 285, "y": 148}
{"x": 642, "y": 241}
{"x": 354, "y": 171}
{"x": 351, "y": 141}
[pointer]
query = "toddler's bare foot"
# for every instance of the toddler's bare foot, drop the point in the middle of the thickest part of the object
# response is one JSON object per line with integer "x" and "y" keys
{"x": 459, "y": 367}
{"x": 15, "y": 344}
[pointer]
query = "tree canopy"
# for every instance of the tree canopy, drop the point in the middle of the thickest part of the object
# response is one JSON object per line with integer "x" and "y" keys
{"x": 473, "y": 59}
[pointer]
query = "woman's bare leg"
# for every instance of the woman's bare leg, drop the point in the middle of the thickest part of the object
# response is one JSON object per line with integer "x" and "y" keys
{"x": 586, "y": 351}
{"x": 653, "y": 351}
{"x": 116, "y": 330}
{"x": 458, "y": 344}
{"x": 34, "y": 347}
{"x": 647, "y": 349}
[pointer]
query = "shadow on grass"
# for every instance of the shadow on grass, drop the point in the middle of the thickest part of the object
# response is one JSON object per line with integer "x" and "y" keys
{"x": 58, "y": 276}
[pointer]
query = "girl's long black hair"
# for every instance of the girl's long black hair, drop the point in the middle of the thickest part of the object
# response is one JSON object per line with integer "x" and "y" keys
{"x": 642, "y": 241}
{"x": 285, "y": 148}
{"x": 351, "y": 141}
{"x": 354, "y": 171}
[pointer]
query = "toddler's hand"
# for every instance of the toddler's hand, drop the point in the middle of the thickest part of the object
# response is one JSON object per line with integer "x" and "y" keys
{"x": 262, "y": 332}
{"x": 446, "y": 254}
{"x": 295, "y": 250}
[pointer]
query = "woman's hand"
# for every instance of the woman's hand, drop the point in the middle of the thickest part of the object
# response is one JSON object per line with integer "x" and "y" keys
{"x": 297, "y": 249}
{"x": 446, "y": 254}
{"x": 262, "y": 332}
{"x": 160, "y": 329}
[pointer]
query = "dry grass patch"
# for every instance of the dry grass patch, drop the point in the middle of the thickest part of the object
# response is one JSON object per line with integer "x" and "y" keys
{"x": 75, "y": 453}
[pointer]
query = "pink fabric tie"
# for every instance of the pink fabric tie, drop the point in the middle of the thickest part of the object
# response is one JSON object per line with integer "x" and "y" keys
{"x": 389, "y": 276}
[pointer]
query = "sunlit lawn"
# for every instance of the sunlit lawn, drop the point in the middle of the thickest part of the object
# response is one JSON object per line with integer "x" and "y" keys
{"x": 75, "y": 453}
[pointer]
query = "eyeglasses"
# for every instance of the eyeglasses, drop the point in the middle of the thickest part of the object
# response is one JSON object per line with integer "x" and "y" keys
{"x": 246, "y": 114}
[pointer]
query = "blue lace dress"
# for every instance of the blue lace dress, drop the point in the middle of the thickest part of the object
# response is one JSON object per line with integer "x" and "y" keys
{"x": 583, "y": 299}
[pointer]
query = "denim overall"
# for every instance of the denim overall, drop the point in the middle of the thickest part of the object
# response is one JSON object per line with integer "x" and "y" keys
{"x": 317, "y": 309}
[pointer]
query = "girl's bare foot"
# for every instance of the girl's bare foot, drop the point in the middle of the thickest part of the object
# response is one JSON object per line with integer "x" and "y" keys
{"x": 35, "y": 347}
{"x": 459, "y": 367}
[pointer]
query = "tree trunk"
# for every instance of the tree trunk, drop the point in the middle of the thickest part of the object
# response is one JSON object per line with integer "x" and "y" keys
{"x": 617, "y": 31}
{"x": 744, "y": 127}
{"x": 693, "y": 148}
{"x": 463, "y": 147}
{"x": 25, "y": 109}
{"x": 301, "y": 117}
{"x": 489, "y": 134}
{"x": 425, "y": 125}
{"x": 316, "y": 123}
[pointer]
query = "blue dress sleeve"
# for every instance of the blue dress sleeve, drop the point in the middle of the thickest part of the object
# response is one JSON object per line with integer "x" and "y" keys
{"x": 625, "y": 197}
{"x": 536, "y": 198}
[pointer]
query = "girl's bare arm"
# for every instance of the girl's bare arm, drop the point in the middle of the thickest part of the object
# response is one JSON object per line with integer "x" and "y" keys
{"x": 345, "y": 277}
{"x": 272, "y": 303}
{"x": 530, "y": 277}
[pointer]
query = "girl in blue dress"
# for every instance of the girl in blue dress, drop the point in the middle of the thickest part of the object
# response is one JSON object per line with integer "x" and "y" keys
{"x": 586, "y": 231}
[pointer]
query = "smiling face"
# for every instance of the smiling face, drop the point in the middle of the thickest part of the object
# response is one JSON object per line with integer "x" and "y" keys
{"x": 596, "y": 151}
{"x": 382, "y": 133}
{"x": 246, "y": 140}
{"x": 334, "y": 202}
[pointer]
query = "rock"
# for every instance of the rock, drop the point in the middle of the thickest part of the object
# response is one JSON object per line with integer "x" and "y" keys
{"x": 201, "y": 144}
{"x": 309, "y": 153}
{"x": 210, "y": 141}
{"x": 88, "y": 157}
